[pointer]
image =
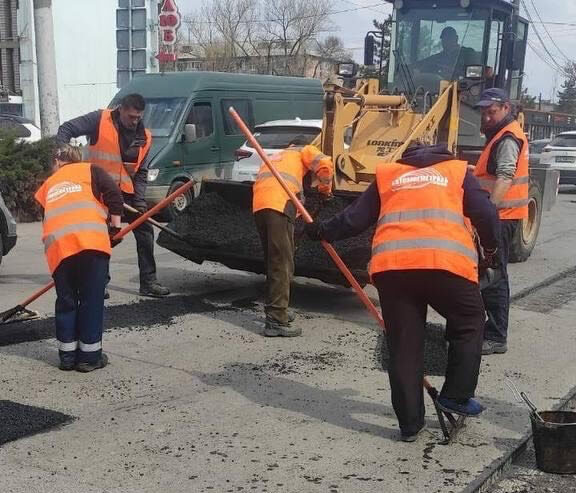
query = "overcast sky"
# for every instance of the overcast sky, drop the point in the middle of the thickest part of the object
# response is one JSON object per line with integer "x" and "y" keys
{"x": 540, "y": 77}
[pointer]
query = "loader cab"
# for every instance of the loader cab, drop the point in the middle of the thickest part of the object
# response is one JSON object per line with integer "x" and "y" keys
{"x": 480, "y": 43}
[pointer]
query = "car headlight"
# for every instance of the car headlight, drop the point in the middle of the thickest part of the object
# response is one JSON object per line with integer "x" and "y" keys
{"x": 153, "y": 174}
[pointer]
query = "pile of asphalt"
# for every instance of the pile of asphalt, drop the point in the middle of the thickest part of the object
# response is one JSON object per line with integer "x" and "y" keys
{"x": 217, "y": 229}
{"x": 20, "y": 420}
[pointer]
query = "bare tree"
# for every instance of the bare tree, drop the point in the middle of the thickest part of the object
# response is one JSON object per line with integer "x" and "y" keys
{"x": 331, "y": 49}
{"x": 291, "y": 24}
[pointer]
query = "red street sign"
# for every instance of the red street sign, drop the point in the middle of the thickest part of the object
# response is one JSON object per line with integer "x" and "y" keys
{"x": 166, "y": 57}
{"x": 169, "y": 21}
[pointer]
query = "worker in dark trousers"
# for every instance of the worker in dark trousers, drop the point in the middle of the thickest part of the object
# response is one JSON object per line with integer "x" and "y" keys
{"x": 502, "y": 170}
{"x": 119, "y": 144}
{"x": 274, "y": 214}
{"x": 423, "y": 254}
{"x": 77, "y": 200}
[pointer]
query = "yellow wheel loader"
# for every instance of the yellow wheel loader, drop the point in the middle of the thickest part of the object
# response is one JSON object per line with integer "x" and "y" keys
{"x": 443, "y": 54}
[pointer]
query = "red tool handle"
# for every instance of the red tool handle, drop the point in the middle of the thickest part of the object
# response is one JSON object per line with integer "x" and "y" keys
{"x": 123, "y": 232}
{"x": 327, "y": 246}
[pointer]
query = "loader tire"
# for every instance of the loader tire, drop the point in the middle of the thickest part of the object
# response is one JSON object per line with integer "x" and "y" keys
{"x": 526, "y": 233}
{"x": 180, "y": 203}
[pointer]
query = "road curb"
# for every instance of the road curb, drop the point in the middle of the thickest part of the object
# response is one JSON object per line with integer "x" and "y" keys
{"x": 499, "y": 467}
{"x": 542, "y": 284}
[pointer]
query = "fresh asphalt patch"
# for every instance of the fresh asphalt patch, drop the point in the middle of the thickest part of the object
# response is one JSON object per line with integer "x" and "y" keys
{"x": 133, "y": 316}
{"x": 550, "y": 296}
{"x": 20, "y": 420}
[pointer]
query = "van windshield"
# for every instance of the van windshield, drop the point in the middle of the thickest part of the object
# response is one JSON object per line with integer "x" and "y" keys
{"x": 161, "y": 114}
{"x": 565, "y": 140}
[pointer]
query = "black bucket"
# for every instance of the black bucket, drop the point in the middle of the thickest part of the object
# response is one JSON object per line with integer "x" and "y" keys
{"x": 555, "y": 441}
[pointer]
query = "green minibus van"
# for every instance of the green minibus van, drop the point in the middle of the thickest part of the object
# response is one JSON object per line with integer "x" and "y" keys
{"x": 193, "y": 135}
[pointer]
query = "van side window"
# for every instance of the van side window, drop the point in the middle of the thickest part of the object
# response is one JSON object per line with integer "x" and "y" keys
{"x": 201, "y": 116}
{"x": 244, "y": 109}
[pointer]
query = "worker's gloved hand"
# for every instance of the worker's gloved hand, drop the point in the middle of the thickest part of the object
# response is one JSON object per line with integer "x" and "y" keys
{"x": 490, "y": 260}
{"x": 313, "y": 231}
{"x": 113, "y": 231}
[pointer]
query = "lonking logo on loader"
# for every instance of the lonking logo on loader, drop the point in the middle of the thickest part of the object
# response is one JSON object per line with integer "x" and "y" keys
{"x": 419, "y": 178}
{"x": 384, "y": 147}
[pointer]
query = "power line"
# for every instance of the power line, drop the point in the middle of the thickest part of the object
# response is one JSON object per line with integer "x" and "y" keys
{"x": 358, "y": 5}
{"x": 548, "y": 32}
{"x": 300, "y": 18}
{"x": 550, "y": 56}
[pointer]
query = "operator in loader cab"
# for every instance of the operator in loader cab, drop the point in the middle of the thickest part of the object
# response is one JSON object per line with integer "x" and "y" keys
{"x": 502, "y": 170}
{"x": 423, "y": 253}
{"x": 451, "y": 62}
{"x": 119, "y": 143}
{"x": 275, "y": 214}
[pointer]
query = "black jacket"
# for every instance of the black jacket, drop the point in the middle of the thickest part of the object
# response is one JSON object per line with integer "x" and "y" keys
{"x": 364, "y": 212}
{"x": 130, "y": 142}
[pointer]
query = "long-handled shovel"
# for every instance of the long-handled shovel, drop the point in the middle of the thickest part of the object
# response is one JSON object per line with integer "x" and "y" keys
{"x": 455, "y": 424}
{"x": 9, "y": 315}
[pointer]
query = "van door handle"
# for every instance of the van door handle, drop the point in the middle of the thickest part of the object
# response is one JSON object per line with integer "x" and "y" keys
{"x": 214, "y": 148}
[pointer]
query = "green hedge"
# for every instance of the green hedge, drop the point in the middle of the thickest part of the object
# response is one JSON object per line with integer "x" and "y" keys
{"x": 23, "y": 168}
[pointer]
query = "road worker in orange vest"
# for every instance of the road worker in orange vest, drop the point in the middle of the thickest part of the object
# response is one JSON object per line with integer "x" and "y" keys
{"x": 274, "y": 214}
{"x": 78, "y": 199}
{"x": 119, "y": 144}
{"x": 423, "y": 254}
{"x": 502, "y": 170}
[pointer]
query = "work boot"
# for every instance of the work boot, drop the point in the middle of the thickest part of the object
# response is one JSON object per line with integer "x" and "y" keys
{"x": 493, "y": 347}
{"x": 106, "y": 294}
{"x": 86, "y": 367}
{"x": 154, "y": 289}
{"x": 466, "y": 407}
{"x": 411, "y": 437}
{"x": 276, "y": 329}
{"x": 67, "y": 364}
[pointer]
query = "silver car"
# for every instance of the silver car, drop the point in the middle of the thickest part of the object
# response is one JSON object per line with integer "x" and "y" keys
{"x": 7, "y": 230}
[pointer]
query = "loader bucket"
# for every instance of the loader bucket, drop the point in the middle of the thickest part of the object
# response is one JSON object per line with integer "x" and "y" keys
{"x": 219, "y": 227}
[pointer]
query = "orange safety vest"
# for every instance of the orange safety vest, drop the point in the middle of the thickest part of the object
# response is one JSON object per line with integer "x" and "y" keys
{"x": 514, "y": 205}
{"x": 74, "y": 220}
{"x": 106, "y": 153}
{"x": 292, "y": 164}
{"x": 422, "y": 223}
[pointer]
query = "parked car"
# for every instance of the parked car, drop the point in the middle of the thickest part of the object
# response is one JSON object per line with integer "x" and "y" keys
{"x": 7, "y": 230}
{"x": 536, "y": 147}
{"x": 25, "y": 130}
{"x": 560, "y": 154}
{"x": 273, "y": 136}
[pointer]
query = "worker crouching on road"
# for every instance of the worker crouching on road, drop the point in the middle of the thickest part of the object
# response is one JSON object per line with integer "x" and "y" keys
{"x": 274, "y": 214}
{"x": 502, "y": 169}
{"x": 77, "y": 200}
{"x": 423, "y": 254}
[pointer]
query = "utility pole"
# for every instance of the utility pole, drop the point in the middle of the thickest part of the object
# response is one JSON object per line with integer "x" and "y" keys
{"x": 46, "y": 60}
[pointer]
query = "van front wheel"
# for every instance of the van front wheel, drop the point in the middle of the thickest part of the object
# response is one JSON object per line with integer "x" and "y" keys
{"x": 180, "y": 203}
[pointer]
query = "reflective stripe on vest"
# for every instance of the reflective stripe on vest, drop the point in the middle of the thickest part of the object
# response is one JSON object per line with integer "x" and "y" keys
{"x": 418, "y": 243}
{"x": 286, "y": 176}
{"x": 72, "y": 228}
{"x": 316, "y": 161}
{"x": 421, "y": 223}
{"x": 74, "y": 220}
{"x": 75, "y": 207}
{"x": 421, "y": 214}
{"x": 106, "y": 153}
{"x": 514, "y": 204}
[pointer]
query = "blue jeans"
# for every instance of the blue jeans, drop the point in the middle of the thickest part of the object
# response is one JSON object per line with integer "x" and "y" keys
{"x": 80, "y": 282}
{"x": 497, "y": 296}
